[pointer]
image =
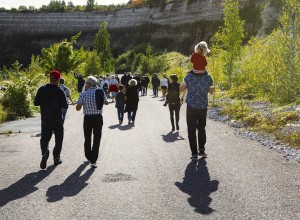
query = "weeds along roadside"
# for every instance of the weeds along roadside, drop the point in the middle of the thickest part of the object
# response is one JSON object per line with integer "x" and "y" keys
{"x": 279, "y": 122}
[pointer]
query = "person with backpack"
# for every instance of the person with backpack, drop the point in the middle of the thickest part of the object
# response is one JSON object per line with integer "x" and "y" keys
{"x": 174, "y": 101}
{"x": 68, "y": 96}
{"x": 105, "y": 86}
{"x": 92, "y": 101}
{"x": 147, "y": 80}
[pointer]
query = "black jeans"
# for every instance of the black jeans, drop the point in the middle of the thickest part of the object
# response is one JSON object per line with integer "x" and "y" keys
{"x": 92, "y": 124}
{"x": 196, "y": 119}
{"x": 174, "y": 109}
{"x": 155, "y": 90}
{"x": 49, "y": 127}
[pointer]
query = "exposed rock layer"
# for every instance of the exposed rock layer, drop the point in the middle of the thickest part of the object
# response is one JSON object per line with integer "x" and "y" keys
{"x": 176, "y": 26}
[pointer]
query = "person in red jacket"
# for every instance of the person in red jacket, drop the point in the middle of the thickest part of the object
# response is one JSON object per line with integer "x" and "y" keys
{"x": 198, "y": 58}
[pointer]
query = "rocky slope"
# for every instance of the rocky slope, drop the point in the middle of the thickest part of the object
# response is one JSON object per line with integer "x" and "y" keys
{"x": 176, "y": 26}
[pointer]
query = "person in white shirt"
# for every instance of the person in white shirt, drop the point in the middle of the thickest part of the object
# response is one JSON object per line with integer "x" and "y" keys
{"x": 164, "y": 86}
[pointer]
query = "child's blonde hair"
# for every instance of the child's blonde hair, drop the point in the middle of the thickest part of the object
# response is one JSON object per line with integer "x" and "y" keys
{"x": 202, "y": 48}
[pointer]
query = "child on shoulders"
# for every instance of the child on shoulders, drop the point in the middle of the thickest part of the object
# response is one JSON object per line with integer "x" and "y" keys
{"x": 198, "y": 58}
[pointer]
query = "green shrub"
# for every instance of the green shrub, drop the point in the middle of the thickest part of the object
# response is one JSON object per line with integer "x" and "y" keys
{"x": 17, "y": 102}
{"x": 3, "y": 114}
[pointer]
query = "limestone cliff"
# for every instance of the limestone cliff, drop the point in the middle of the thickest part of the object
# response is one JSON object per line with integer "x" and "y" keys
{"x": 176, "y": 26}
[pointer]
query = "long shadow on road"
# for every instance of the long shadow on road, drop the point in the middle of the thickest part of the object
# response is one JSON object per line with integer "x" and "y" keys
{"x": 71, "y": 186}
{"x": 198, "y": 185}
{"x": 24, "y": 186}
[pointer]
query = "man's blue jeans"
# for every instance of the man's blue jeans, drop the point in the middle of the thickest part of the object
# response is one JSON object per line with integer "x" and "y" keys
{"x": 120, "y": 114}
{"x": 131, "y": 115}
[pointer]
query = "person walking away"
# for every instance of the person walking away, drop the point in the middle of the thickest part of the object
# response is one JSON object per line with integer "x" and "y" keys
{"x": 80, "y": 82}
{"x": 138, "y": 80}
{"x": 113, "y": 87}
{"x": 105, "y": 86}
{"x": 117, "y": 78}
{"x": 68, "y": 96}
{"x": 198, "y": 86}
{"x": 155, "y": 85}
{"x": 164, "y": 86}
{"x": 51, "y": 100}
{"x": 131, "y": 101}
{"x": 174, "y": 101}
{"x": 143, "y": 86}
{"x": 93, "y": 120}
{"x": 198, "y": 58}
{"x": 120, "y": 103}
{"x": 147, "y": 80}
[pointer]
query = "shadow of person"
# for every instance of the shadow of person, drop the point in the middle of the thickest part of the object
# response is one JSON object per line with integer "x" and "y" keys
{"x": 198, "y": 185}
{"x": 171, "y": 137}
{"x": 114, "y": 126}
{"x": 71, "y": 186}
{"x": 126, "y": 127}
{"x": 23, "y": 187}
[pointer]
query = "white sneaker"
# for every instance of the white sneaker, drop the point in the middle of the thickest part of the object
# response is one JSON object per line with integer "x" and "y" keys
{"x": 93, "y": 165}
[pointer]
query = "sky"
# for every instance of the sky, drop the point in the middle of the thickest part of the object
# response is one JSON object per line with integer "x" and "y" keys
{"x": 38, "y": 3}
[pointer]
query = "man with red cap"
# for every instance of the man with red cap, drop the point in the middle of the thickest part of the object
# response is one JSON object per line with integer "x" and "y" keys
{"x": 51, "y": 100}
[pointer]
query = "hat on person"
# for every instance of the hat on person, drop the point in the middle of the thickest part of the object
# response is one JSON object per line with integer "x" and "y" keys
{"x": 174, "y": 77}
{"x": 54, "y": 74}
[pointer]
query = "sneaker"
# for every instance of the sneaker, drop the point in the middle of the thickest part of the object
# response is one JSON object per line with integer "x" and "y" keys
{"x": 202, "y": 154}
{"x": 194, "y": 157}
{"x": 93, "y": 165}
{"x": 57, "y": 161}
{"x": 43, "y": 163}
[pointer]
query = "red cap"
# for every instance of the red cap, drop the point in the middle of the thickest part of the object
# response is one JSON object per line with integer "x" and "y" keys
{"x": 55, "y": 74}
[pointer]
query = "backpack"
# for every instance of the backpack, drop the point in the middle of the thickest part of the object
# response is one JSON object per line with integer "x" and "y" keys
{"x": 173, "y": 94}
{"x": 99, "y": 96}
{"x": 105, "y": 86}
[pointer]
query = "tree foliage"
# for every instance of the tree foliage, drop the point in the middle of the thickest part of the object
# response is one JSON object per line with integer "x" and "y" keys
{"x": 228, "y": 40}
{"x": 102, "y": 46}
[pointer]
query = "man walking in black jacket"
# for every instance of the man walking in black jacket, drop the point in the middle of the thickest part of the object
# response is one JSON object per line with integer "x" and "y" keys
{"x": 51, "y": 100}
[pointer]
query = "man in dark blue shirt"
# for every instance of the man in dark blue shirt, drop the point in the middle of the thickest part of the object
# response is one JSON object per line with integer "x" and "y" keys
{"x": 198, "y": 86}
{"x": 51, "y": 100}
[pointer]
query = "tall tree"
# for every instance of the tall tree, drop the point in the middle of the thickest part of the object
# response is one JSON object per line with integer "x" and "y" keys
{"x": 90, "y": 5}
{"x": 229, "y": 38}
{"x": 102, "y": 46}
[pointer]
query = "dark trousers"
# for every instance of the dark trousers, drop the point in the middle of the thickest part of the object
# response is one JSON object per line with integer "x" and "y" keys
{"x": 49, "y": 127}
{"x": 196, "y": 120}
{"x": 92, "y": 124}
{"x": 155, "y": 90}
{"x": 63, "y": 114}
{"x": 120, "y": 113}
{"x": 131, "y": 115}
{"x": 145, "y": 89}
{"x": 174, "y": 109}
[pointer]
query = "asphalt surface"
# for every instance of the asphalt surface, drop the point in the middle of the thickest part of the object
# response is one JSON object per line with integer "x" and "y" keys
{"x": 144, "y": 172}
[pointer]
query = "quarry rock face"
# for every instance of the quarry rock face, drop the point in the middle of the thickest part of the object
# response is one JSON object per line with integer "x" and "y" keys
{"x": 176, "y": 26}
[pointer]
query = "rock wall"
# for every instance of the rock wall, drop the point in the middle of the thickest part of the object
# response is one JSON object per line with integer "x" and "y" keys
{"x": 176, "y": 26}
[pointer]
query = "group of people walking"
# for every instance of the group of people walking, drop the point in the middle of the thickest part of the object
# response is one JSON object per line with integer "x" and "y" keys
{"x": 52, "y": 99}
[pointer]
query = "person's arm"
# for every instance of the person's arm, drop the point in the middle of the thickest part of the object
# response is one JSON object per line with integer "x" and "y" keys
{"x": 79, "y": 103}
{"x": 63, "y": 100}
{"x": 211, "y": 88}
{"x": 182, "y": 87}
{"x": 37, "y": 100}
{"x": 75, "y": 75}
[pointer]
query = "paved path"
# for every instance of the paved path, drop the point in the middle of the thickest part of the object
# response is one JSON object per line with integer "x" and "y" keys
{"x": 144, "y": 172}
